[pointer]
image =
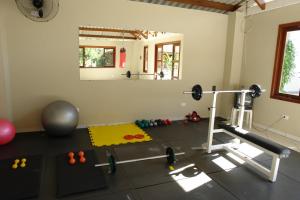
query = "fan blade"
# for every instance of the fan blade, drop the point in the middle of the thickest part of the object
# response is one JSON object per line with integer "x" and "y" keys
{"x": 261, "y": 4}
{"x": 41, "y": 13}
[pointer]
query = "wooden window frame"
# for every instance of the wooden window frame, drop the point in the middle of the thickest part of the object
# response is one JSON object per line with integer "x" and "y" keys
{"x": 145, "y": 58}
{"x": 158, "y": 45}
{"x": 83, "y": 57}
{"x": 280, "y": 50}
{"x": 96, "y": 47}
{"x": 176, "y": 61}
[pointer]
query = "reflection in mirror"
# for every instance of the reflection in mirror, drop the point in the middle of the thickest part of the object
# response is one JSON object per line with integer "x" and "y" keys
{"x": 115, "y": 54}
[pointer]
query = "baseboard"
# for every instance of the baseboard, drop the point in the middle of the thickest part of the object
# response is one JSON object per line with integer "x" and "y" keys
{"x": 28, "y": 130}
{"x": 278, "y": 132}
{"x": 101, "y": 124}
{"x": 118, "y": 123}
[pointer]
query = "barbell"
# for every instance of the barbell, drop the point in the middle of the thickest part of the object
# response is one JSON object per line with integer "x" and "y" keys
{"x": 197, "y": 91}
{"x": 112, "y": 163}
{"x": 129, "y": 74}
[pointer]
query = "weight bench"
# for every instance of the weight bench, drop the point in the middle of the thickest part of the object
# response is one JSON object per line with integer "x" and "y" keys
{"x": 269, "y": 147}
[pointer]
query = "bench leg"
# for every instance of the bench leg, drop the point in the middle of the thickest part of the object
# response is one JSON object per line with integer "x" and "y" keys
{"x": 274, "y": 168}
{"x": 233, "y": 116}
{"x": 211, "y": 125}
{"x": 250, "y": 120}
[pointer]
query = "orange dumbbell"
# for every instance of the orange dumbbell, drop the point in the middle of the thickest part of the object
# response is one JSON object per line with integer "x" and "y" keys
{"x": 81, "y": 157}
{"x": 72, "y": 160}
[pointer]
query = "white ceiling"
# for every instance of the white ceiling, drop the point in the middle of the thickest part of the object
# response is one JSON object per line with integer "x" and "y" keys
{"x": 271, "y": 5}
{"x": 252, "y": 7}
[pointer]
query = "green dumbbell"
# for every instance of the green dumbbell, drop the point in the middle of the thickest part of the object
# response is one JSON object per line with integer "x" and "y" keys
{"x": 144, "y": 123}
{"x": 137, "y": 122}
{"x": 147, "y": 124}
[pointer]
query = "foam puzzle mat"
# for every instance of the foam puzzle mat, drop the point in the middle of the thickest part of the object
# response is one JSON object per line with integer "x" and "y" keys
{"x": 117, "y": 134}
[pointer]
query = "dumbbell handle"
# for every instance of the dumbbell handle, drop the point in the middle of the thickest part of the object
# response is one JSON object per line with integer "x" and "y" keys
{"x": 204, "y": 92}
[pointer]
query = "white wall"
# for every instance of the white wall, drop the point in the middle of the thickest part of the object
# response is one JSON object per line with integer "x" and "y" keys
{"x": 2, "y": 82}
{"x": 233, "y": 60}
{"x": 259, "y": 56}
{"x": 5, "y": 105}
{"x": 43, "y": 61}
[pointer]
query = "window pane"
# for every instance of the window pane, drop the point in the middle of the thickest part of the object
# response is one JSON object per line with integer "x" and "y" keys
{"x": 176, "y": 70}
{"x": 168, "y": 48}
{"x": 109, "y": 57}
{"x": 94, "y": 57}
{"x": 168, "y": 60}
{"x": 159, "y": 69}
{"x": 290, "y": 77}
{"x": 80, "y": 57}
{"x": 167, "y": 65}
{"x": 177, "y": 53}
{"x": 145, "y": 69}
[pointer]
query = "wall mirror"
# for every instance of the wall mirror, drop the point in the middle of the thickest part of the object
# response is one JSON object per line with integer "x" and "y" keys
{"x": 116, "y": 54}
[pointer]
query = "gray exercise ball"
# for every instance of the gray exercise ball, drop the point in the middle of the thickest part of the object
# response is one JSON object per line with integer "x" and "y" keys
{"x": 60, "y": 118}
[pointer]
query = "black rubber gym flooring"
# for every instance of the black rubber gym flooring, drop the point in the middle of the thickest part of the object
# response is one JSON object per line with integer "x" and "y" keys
{"x": 197, "y": 174}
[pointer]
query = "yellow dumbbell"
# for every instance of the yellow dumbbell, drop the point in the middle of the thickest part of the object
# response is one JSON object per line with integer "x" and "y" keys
{"x": 171, "y": 168}
{"x": 15, "y": 165}
{"x": 23, "y": 164}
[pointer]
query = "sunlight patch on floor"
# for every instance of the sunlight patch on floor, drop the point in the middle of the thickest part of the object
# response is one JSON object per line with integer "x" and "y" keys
{"x": 191, "y": 182}
{"x": 223, "y": 163}
{"x": 249, "y": 150}
{"x": 236, "y": 158}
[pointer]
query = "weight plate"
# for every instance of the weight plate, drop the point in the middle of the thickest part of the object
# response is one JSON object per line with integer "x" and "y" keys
{"x": 139, "y": 136}
{"x": 197, "y": 92}
{"x": 161, "y": 74}
{"x": 256, "y": 90}
{"x": 129, "y": 137}
{"x": 170, "y": 156}
{"x": 128, "y": 74}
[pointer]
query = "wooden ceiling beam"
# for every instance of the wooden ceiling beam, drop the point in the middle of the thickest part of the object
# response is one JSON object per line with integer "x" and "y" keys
{"x": 238, "y": 5}
{"x": 207, "y": 4}
{"x": 105, "y": 30}
{"x": 152, "y": 33}
{"x": 136, "y": 36}
{"x": 142, "y": 34}
{"x": 107, "y": 36}
{"x": 261, "y": 4}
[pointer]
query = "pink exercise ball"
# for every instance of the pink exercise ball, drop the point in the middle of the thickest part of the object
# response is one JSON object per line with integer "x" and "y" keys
{"x": 7, "y": 131}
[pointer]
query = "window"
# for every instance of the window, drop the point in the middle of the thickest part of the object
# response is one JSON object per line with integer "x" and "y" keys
{"x": 145, "y": 63}
{"x": 167, "y": 59}
{"x": 286, "y": 75}
{"x": 97, "y": 56}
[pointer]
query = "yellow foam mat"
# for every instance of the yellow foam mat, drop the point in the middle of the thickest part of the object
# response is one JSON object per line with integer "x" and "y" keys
{"x": 114, "y": 135}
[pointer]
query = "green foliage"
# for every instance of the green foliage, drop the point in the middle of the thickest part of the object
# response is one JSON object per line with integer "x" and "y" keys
{"x": 96, "y": 57}
{"x": 167, "y": 60}
{"x": 288, "y": 65}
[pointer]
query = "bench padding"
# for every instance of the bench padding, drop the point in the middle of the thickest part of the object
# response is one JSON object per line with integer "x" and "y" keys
{"x": 282, "y": 151}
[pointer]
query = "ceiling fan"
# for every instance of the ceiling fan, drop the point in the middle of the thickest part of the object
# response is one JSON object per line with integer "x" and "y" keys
{"x": 38, "y": 10}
